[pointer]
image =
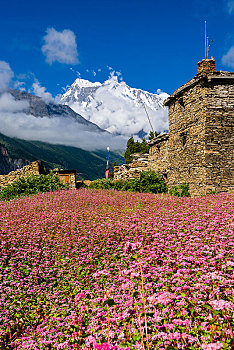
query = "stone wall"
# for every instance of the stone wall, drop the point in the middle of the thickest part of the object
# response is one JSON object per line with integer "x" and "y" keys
{"x": 219, "y": 137}
{"x": 34, "y": 168}
{"x": 132, "y": 170}
{"x": 200, "y": 147}
{"x": 158, "y": 154}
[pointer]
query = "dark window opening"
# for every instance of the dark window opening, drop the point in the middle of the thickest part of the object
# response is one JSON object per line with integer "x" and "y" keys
{"x": 183, "y": 135}
{"x": 181, "y": 102}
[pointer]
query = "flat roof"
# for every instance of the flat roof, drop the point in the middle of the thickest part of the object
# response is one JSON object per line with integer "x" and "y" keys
{"x": 211, "y": 77}
{"x": 62, "y": 171}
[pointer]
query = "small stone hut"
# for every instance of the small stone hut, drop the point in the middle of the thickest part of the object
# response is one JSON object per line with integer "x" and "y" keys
{"x": 67, "y": 177}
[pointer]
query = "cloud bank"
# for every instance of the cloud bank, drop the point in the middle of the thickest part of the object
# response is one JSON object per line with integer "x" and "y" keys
{"x": 230, "y": 6}
{"x": 6, "y": 74}
{"x": 40, "y": 91}
{"x": 60, "y": 46}
{"x": 228, "y": 59}
{"x": 14, "y": 122}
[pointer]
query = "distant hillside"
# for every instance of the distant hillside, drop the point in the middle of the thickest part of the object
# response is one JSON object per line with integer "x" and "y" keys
{"x": 15, "y": 153}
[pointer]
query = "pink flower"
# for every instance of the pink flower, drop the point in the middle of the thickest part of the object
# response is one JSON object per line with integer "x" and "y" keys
{"x": 165, "y": 298}
{"x": 222, "y": 304}
{"x": 212, "y": 346}
{"x": 103, "y": 346}
{"x": 79, "y": 297}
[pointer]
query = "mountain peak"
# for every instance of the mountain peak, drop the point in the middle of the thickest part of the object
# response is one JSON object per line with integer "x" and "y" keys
{"x": 117, "y": 107}
{"x": 83, "y": 83}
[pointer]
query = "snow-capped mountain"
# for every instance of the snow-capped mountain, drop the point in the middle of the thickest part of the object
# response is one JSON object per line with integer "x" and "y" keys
{"x": 116, "y": 107}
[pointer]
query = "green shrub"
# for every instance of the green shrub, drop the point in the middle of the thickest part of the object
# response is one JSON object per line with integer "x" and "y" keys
{"x": 181, "y": 190}
{"x": 101, "y": 183}
{"x": 31, "y": 185}
{"x": 152, "y": 182}
{"x": 148, "y": 181}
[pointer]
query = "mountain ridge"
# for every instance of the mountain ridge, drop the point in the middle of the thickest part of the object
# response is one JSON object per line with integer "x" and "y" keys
{"x": 39, "y": 108}
{"x": 15, "y": 153}
{"x": 117, "y": 107}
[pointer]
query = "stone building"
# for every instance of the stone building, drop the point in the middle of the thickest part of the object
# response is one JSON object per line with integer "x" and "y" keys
{"x": 67, "y": 177}
{"x": 34, "y": 168}
{"x": 158, "y": 154}
{"x": 130, "y": 171}
{"x": 198, "y": 149}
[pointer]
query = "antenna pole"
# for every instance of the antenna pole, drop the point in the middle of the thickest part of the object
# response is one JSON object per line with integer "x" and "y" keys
{"x": 147, "y": 115}
{"x": 207, "y": 46}
{"x": 205, "y": 42}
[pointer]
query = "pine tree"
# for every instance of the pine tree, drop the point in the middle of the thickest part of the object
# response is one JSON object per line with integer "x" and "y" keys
{"x": 135, "y": 147}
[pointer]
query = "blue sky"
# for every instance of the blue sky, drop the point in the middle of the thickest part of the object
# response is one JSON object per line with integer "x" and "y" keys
{"x": 154, "y": 44}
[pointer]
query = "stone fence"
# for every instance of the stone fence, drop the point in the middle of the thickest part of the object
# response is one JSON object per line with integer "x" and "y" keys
{"x": 132, "y": 170}
{"x": 34, "y": 168}
{"x": 156, "y": 160}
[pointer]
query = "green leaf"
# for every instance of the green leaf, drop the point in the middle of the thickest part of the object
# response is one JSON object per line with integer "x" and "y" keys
{"x": 136, "y": 337}
{"x": 109, "y": 302}
{"x": 135, "y": 294}
{"x": 207, "y": 306}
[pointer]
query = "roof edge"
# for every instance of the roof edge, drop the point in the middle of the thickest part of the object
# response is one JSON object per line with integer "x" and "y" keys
{"x": 216, "y": 76}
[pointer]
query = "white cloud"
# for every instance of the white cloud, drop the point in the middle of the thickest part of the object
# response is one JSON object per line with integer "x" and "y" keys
{"x": 6, "y": 75}
{"x": 60, "y": 46}
{"x": 40, "y": 91}
{"x": 10, "y": 105}
{"x": 228, "y": 59}
{"x": 14, "y": 122}
{"x": 115, "y": 75}
{"x": 19, "y": 85}
{"x": 230, "y": 6}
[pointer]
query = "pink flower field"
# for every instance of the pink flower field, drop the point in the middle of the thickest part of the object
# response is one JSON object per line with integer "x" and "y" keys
{"x": 96, "y": 269}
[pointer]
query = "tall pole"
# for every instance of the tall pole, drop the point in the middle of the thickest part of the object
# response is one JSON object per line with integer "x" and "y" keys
{"x": 207, "y": 46}
{"x": 205, "y": 42}
{"x": 107, "y": 162}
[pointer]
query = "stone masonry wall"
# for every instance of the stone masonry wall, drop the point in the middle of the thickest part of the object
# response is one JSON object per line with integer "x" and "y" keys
{"x": 34, "y": 168}
{"x": 200, "y": 147}
{"x": 132, "y": 170}
{"x": 158, "y": 154}
{"x": 186, "y": 143}
{"x": 219, "y": 137}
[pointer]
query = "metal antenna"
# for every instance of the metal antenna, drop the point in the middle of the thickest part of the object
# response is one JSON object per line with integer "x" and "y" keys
{"x": 147, "y": 115}
{"x": 209, "y": 42}
{"x": 205, "y": 42}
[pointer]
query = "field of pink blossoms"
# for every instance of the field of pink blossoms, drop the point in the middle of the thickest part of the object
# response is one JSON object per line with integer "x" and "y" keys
{"x": 95, "y": 269}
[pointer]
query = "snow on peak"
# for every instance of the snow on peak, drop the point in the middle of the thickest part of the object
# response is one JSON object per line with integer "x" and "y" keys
{"x": 83, "y": 83}
{"x": 116, "y": 107}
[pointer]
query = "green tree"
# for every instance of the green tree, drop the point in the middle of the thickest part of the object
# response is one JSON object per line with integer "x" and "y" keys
{"x": 129, "y": 150}
{"x": 135, "y": 147}
{"x": 152, "y": 135}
